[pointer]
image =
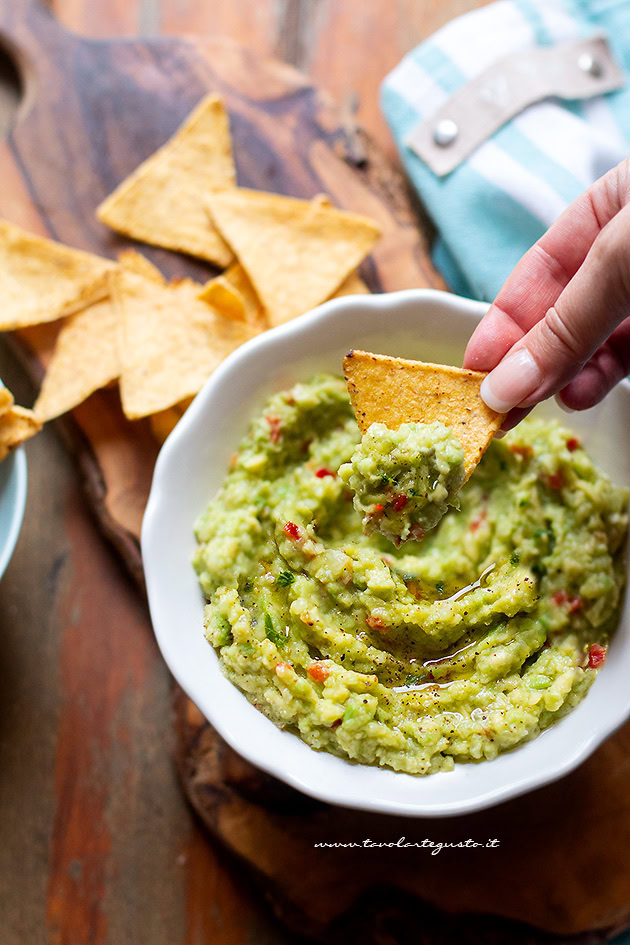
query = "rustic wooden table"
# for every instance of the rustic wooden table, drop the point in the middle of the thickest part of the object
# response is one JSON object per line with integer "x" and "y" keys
{"x": 98, "y": 844}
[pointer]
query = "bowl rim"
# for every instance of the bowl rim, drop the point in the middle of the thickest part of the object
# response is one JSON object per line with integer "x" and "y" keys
{"x": 248, "y": 749}
{"x": 19, "y": 474}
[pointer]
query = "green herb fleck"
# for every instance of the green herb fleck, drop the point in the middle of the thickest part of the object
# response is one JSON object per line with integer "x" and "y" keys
{"x": 439, "y": 586}
{"x": 515, "y": 557}
{"x": 272, "y": 634}
{"x": 284, "y": 579}
{"x": 223, "y": 631}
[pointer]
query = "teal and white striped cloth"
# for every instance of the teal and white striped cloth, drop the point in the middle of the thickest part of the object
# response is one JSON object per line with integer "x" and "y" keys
{"x": 499, "y": 201}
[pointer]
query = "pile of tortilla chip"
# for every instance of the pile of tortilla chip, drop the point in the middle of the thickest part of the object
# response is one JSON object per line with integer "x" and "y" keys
{"x": 160, "y": 341}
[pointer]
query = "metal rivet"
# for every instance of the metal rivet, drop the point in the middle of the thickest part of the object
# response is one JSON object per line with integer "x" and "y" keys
{"x": 445, "y": 132}
{"x": 588, "y": 63}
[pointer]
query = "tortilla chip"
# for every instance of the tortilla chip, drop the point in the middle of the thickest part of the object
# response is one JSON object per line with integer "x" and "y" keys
{"x": 17, "y": 424}
{"x": 170, "y": 342}
{"x": 43, "y": 280}
{"x": 296, "y": 252}
{"x": 395, "y": 391}
{"x": 86, "y": 354}
{"x": 353, "y": 285}
{"x": 164, "y": 422}
{"x": 322, "y": 200}
{"x": 233, "y": 295}
{"x": 225, "y": 298}
{"x": 85, "y": 359}
{"x": 6, "y": 399}
{"x": 161, "y": 201}
{"x": 136, "y": 262}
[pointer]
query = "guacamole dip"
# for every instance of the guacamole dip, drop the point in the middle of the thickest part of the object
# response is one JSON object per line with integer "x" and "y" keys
{"x": 453, "y": 648}
{"x": 404, "y": 480}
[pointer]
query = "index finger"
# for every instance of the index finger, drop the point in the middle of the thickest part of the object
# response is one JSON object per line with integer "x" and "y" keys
{"x": 545, "y": 270}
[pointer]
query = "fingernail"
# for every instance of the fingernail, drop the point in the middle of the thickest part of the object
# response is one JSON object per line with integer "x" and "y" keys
{"x": 514, "y": 379}
{"x": 562, "y": 404}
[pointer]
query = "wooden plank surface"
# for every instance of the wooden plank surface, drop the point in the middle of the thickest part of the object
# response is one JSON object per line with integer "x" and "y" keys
{"x": 345, "y": 46}
{"x": 98, "y": 845}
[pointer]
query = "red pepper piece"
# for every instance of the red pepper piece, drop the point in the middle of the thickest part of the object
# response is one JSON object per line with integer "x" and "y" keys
{"x": 375, "y": 623}
{"x": 479, "y": 520}
{"x": 318, "y": 672}
{"x": 399, "y": 502}
{"x": 525, "y": 452}
{"x": 292, "y": 531}
{"x": 556, "y": 480}
{"x": 596, "y": 655}
{"x": 275, "y": 428}
{"x": 575, "y": 603}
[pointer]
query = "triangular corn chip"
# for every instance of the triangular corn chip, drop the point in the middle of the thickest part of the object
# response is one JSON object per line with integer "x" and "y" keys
{"x": 6, "y": 399}
{"x": 170, "y": 342}
{"x": 42, "y": 280}
{"x": 161, "y": 201}
{"x": 353, "y": 285}
{"x": 86, "y": 354}
{"x": 233, "y": 295}
{"x": 17, "y": 424}
{"x": 136, "y": 262}
{"x": 164, "y": 422}
{"x": 395, "y": 391}
{"x": 296, "y": 252}
{"x": 84, "y": 360}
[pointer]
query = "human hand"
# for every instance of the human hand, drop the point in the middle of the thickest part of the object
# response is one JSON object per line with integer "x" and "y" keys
{"x": 560, "y": 323}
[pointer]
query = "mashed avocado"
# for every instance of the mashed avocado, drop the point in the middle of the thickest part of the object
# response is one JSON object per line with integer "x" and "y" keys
{"x": 453, "y": 648}
{"x": 404, "y": 480}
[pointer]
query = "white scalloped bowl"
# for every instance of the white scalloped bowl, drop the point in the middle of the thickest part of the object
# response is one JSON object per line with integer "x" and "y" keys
{"x": 424, "y": 324}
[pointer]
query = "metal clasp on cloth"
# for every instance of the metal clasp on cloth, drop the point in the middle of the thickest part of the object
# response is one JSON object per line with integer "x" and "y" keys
{"x": 575, "y": 70}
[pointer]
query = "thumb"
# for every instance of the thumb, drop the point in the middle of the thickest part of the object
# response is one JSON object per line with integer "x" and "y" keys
{"x": 593, "y": 303}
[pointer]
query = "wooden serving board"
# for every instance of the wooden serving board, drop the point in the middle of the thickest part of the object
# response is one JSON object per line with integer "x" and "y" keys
{"x": 92, "y": 111}
{"x": 561, "y": 873}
